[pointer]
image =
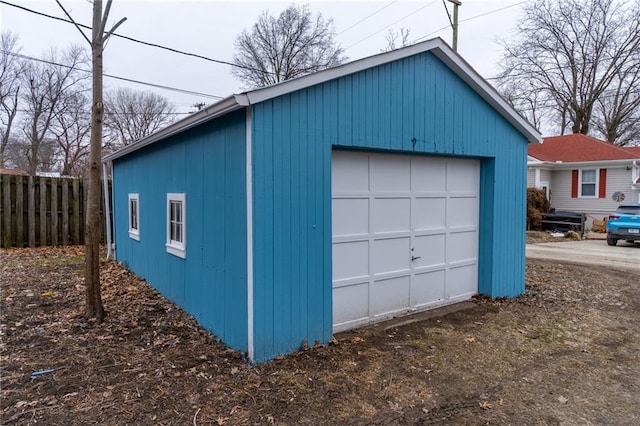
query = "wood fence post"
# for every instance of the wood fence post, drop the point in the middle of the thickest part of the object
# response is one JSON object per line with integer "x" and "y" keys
{"x": 43, "y": 211}
{"x": 54, "y": 211}
{"x": 31, "y": 195}
{"x": 65, "y": 212}
{"x": 19, "y": 212}
{"x": 75, "y": 215}
{"x": 6, "y": 210}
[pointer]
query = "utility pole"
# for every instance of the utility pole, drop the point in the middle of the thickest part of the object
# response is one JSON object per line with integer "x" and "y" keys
{"x": 93, "y": 298}
{"x": 454, "y": 25}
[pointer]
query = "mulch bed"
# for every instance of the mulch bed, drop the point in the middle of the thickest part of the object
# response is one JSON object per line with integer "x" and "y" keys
{"x": 565, "y": 352}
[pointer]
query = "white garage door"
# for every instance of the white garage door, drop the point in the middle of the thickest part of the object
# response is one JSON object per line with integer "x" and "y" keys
{"x": 405, "y": 234}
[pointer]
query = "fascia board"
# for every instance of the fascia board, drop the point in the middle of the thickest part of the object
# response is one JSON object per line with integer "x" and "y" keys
{"x": 463, "y": 70}
{"x": 599, "y": 164}
{"x": 440, "y": 49}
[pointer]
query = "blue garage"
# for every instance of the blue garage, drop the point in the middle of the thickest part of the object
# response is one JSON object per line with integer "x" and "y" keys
{"x": 389, "y": 185}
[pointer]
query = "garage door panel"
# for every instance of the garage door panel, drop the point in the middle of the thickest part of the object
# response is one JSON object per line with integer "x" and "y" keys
{"x": 390, "y": 173}
{"x": 391, "y": 255}
{"x": 462, "y": 281}
{"x": 350, "y": 260}
{"x": 406, "y": 238}
{"x": 463, "y": 176}
{"x": 350, "y": 216}
{"x": 351, "y": 303}
{"x": 391, "y": 215}
{"x": 427, "y": 287}
{"x": 430, "y": 249}
{"x": 350, "y": 172}
{"x": 429, "y": 213}
{"x": 462, "y": 246}
{"x": 428, "y": 174}
{"x": 462, "y": 211}
{"x": 390, "y": 295}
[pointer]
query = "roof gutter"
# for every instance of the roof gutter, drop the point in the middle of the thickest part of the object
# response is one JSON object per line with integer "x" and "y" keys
{"x": 574, "y": 164}
{"x": 231, "y": 103}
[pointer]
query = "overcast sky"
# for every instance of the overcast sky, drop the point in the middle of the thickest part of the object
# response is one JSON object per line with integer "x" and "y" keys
{"x": 209, "y": 28}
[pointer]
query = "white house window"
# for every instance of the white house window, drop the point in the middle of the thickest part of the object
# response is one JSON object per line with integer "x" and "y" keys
{"x": 588, "y": 182}
{"x": 176, "y": 225}
{"x": 134, "y": 216}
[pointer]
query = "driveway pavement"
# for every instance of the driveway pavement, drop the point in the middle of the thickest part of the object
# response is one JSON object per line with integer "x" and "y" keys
{"x": 589, "y": 252}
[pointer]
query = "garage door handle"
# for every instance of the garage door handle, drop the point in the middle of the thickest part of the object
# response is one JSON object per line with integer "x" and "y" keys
{"x": 414, "y": 258}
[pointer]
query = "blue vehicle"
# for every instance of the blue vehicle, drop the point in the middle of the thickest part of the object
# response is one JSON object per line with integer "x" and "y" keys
{"x": 624, "y": 224}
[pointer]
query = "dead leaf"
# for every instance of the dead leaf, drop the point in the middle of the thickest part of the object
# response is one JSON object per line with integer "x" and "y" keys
{"x": 235, "y": 370}
{"x": 562, "y": 399}
{"x": 357, "y": 339}
{"x": 470, "y": 339}
{"x": 221, "y": 421}
{"x": 486, "y": 405}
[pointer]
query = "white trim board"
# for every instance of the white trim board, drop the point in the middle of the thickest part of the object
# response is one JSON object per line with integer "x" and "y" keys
{"x": 249, "y": 177}
{"x": 437, "y": 46}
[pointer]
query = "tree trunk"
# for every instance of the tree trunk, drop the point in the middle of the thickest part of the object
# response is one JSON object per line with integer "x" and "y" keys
{"x": 94, "y": 308}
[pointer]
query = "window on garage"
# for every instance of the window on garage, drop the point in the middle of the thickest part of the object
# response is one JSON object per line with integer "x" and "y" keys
{"x": 176, "y": 225}
{"x": 134, "y": 216}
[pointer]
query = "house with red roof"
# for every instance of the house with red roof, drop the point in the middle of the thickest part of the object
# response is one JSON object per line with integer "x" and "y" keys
{"x": 584, "y": 174}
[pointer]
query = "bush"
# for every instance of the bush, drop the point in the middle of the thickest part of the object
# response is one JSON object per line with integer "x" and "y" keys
{"x": 537, "y": 205}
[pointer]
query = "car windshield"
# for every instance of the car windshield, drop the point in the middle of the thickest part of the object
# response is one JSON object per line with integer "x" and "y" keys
{"x": 628, "y": 210}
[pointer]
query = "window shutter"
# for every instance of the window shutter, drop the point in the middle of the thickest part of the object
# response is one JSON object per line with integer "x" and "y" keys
{"x": 574, "y": 184}
{"x": 602, "y": 191}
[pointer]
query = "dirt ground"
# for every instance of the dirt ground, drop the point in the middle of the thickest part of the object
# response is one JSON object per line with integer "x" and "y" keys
{"x": 566, "y": 352}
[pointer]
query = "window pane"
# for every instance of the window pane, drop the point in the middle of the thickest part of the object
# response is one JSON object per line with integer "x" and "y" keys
{"x": 178, "y": 232}
{"x": 588, "y": 176}
{"x": 588, "y": 189}
{"x": 173, "y": 231}
{"x": 173, "y": 210}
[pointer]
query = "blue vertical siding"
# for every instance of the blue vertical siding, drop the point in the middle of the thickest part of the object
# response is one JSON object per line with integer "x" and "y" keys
{"x": 382, "y": 108}
{"x": 207, "y": 163}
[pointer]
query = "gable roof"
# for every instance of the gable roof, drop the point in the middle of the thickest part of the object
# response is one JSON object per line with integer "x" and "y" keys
{"x": 437, "y": 46}
{"x": 577, "y": 147}
{"x": 635, "y": 150}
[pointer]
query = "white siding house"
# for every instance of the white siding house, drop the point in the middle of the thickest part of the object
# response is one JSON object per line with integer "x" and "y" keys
{"x": 585, "y": 175}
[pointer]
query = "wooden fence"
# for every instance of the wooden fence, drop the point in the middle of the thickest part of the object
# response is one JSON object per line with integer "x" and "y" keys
{"x": 41, "y": 211}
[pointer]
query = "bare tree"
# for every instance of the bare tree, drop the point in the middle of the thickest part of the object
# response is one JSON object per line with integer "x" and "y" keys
{"x": 71, "y": 127}
{"x": 396, "y": 40}
{"x": 10, "y": 69}
{"x": 131, "y": 115}
{"x": 617, "y": 112}
{"x": 99, "y": 36}
{"x": 571, "y": 53}
{"x": 45, "y": 86}
{"x": 291, "y": 45}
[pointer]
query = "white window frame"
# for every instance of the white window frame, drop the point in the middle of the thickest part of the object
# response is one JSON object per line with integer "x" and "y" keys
{"x": 596, "y": 183}
{"x": 176, "y": 247}
{"x": 134, "y": 232}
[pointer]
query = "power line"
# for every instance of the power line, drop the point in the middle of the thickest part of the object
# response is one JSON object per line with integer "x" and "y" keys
{"x": 471, "y": 18}
{"x": 392, "y": 24}
{"x": 130, "y": 80}
{"x": 145, "y": 43}
{"x": 367, "y": 17}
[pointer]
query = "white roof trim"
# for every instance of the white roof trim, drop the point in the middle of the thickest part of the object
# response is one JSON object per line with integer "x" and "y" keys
{"x": 437, "y": 46}
{"x": 222, "y": 107}
{"x": 578, "y": 164}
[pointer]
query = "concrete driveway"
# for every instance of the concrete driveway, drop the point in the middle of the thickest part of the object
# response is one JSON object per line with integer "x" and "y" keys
{"x": 589, "y": 252}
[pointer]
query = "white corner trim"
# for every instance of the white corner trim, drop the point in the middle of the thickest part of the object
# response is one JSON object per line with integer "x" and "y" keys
{"x": 249, "y": 178}
{"x": 107, "y": 209}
